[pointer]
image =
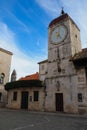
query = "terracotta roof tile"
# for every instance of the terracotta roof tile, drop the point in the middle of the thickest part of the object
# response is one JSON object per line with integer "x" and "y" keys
{"x": 61, "y": 18}
{"x": 58, "y": 19}
{"x": 31, "y": 77}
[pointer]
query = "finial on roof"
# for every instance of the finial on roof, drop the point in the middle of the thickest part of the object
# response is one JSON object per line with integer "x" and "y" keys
{"x": 62, "y": 11}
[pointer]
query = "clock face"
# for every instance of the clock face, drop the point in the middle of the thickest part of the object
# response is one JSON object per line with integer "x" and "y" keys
{"x": 58, "y": 34}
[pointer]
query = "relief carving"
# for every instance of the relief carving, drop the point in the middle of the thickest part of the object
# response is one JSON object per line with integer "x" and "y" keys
{"x": 58, "y": 85}
{"x": 63, "y": 71}
{"x": 55, "y": 71}
{"x": 81, "y": 79}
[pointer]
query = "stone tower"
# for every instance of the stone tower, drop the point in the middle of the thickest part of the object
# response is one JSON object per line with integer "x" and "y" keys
{"x": 13, "y": 76}
{"x": 5, "y": 64}
{"x": 61, "y": 82}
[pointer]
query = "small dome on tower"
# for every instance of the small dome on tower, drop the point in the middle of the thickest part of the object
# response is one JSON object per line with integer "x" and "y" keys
{"x": 13, "y": 76}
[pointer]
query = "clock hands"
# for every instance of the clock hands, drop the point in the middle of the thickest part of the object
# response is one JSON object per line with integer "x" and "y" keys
{"x": 58, "y": 34}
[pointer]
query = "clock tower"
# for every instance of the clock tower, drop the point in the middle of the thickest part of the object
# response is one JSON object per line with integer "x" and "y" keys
{"x": 61, "y": 85}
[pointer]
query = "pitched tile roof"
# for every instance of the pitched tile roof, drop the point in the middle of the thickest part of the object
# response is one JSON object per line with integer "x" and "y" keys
{"x": 31, "y": 77}
{"x": 23, "y": 84}
{"x": 60, "y": 18}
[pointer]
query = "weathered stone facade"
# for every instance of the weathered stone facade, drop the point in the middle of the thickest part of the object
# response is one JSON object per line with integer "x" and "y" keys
{"x": 66, "y": 84}
{"x": 5, "y": 63}
{"x": 32, "y": 105}
{"x": 26, "y": 93}
{"x": 43, "y": 70}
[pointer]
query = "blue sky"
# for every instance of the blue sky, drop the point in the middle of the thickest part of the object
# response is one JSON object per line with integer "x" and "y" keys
{"x": 24, "y": 29}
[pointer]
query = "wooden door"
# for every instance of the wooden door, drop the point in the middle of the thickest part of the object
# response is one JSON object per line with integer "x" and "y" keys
{"x": 59, "y": 101}
{"x": 24, "y": 100}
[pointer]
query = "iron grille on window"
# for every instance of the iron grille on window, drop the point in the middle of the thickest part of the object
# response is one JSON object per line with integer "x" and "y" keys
{"x": 15, "y": 96}
{"x": 80, "y": 97}
{"x": 36, "y": 95}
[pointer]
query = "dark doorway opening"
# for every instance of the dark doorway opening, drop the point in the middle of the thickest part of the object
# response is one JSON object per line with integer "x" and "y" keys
{"x": 0, "y": 96}
{"x": 24, "y": 100}
{"x": 59, "y": 102}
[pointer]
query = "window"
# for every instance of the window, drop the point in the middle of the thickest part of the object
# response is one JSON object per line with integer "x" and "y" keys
{"x": 0, "y": 96}
{"x": 36, "y": 95}
{"x": 75, "y": 35}
{"x": 80, "y": 97}
{"x": 15, "y": 96}
{"x": 2, "y": 78}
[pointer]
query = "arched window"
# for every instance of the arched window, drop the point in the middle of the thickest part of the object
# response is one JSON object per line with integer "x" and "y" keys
{"x": 2, "y": 76}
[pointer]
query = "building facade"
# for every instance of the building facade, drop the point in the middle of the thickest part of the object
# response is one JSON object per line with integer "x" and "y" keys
{"x": 66, "y": 68}
{"x": 63, "y": 74}
{"x": 43, "y": 69}
{"x": 5, "y": 64}
{"x": 26, "y": 93}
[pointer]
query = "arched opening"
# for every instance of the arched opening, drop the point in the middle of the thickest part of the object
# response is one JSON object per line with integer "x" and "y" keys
{"x": 2, "y": 76}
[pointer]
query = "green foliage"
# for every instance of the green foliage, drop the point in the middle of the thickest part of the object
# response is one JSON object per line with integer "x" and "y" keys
{"x": 24, "y": 84}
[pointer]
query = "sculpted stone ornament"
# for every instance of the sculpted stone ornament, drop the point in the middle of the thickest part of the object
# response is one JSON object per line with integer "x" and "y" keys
{"x": 58, "y": 85}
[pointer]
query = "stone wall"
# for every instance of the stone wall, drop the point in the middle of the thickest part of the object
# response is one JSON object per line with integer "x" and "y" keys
{"x": 43, "y": 70}
{"x": 32, "y": 105}
{"x": 5, "y": 64}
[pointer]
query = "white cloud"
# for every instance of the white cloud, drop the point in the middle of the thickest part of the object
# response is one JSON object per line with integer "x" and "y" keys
{"x": 75, "y": 8}
{"x": 23, "y": 64}
{"x": 50, "y": 6}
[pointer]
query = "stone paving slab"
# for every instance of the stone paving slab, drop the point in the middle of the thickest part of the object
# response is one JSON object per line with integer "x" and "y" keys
{"x": 27, "y": 120}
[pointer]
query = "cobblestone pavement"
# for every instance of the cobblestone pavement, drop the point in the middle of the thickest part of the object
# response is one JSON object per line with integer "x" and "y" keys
{"x": 25, "y": 120}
